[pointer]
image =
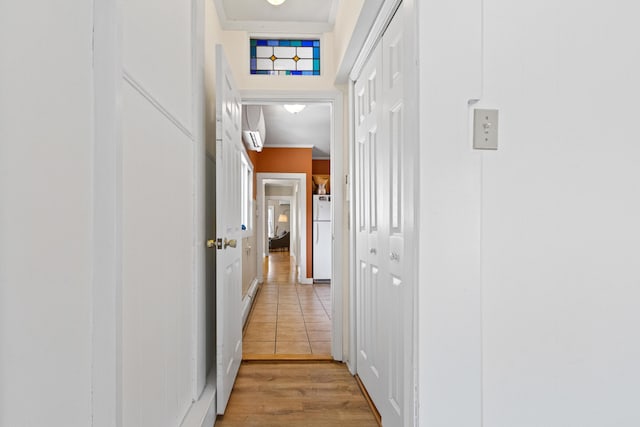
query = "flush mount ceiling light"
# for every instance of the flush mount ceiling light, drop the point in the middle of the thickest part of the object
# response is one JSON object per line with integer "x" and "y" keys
{"x": 276, "y": 2}
{"x": 294, "y": 108}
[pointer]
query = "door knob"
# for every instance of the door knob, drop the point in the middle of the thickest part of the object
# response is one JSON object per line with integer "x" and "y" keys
{"x": 211, "y": 243}
{"x": 233, "y": 243}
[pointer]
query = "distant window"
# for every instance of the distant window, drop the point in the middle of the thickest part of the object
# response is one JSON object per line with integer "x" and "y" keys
{"x": 285, "y": 57}
{"x": 246, "y": 193}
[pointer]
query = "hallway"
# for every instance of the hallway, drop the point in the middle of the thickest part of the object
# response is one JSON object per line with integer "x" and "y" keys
{"x": 288, "y": 319}
{"x": 287, "y": 377}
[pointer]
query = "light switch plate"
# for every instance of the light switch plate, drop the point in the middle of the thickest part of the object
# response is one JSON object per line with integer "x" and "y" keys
{"x": 485, "y": 129}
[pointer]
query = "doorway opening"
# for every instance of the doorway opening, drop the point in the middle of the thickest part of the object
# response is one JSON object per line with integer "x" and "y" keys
{"x": 278, "y": 221}
{"x": 291, "y": 317}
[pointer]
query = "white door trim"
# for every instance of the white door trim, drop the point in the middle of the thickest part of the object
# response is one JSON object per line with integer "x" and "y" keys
{"x": 293, "y": 231}
{"x": 379, "y": 26}
{"x": 299, "y": 179}
{"x": 338, "y": 221}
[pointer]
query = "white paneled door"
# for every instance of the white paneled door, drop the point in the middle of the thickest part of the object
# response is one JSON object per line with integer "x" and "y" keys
{"x": 397, "y": 293}
{"x": 382, "y": 165}
{"x": 369, "y": 220}
{"x": 228, "y": 226}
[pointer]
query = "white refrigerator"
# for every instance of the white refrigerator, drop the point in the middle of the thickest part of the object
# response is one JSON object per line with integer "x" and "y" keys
{"x": 321, "y": 237}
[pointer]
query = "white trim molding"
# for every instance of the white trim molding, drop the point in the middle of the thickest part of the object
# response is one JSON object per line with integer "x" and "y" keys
{"x": 299, "y": 180}
{"x": 156, "y": 104}
{"x": 202, "y": 412}
{"x": 387, "y": 11}
{"x": 248, "y": 300}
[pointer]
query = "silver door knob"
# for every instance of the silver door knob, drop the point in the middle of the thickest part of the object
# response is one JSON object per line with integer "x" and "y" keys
{"x": 393, "y": 256}
{"x": 373, "y": 251}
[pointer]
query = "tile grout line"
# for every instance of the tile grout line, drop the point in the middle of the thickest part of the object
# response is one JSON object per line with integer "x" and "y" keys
{"x": 275, "y": 336}
{"x": 321, "y": 302}
{"x": 304, "y": 320}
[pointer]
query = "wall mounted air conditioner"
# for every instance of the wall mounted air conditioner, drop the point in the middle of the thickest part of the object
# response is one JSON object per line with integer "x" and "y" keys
{"x": 253, "y": 128}
{"x": 253, "y": 140}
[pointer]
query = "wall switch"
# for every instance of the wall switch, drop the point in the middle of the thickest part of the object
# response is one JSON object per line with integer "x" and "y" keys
{"x": 485, "y": 129}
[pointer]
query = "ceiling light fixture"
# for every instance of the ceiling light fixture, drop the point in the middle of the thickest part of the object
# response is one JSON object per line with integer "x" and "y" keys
{"x": 294, "y": 108}
{"x": 276, "y": 2}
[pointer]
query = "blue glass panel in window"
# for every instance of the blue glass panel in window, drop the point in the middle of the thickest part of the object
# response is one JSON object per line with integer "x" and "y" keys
{"x": 261, "y": 50}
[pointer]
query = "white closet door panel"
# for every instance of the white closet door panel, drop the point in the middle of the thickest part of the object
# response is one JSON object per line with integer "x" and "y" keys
{"x": 370, "y": 214}
{"x": 393, "y": 407}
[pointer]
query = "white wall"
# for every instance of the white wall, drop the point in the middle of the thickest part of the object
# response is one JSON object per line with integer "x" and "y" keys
{"x": 160, "y": 137}
{"x": 46, "y": 115}
{"x": 560, "y": 215}
{"x": 449, "y": 288}
{"x": 157, "y": 266}
{"x": 346, "y": 20}
{"x": 546, "y": 227}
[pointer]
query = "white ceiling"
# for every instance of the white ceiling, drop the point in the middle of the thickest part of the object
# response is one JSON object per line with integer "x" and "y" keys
{"x": 309, "y": 128}
{"x": 291, "y": 17}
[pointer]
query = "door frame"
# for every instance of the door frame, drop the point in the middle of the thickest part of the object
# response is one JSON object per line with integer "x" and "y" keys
{"x": 339, "y": 195}
{"x": 293, "y": 209}
{"x": 299, "y": 181}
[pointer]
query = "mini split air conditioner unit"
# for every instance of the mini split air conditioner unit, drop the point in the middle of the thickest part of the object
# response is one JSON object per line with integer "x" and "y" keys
{"x": 253, "y": 140}
{"x": 253, "y": 128}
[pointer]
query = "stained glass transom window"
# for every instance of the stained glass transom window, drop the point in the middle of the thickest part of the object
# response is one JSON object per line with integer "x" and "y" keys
{"x": 285, "y": 57}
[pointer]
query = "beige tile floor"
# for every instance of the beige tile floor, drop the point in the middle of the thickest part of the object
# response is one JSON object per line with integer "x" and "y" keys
{"x": 288, "y": 318}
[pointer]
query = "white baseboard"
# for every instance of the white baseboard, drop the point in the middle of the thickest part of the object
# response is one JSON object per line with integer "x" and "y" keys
{"x": 203, "y": 412}
{"x": 248, "y": 299}
{"x": 350, "y": 367}
{"x": 303, "y": 280}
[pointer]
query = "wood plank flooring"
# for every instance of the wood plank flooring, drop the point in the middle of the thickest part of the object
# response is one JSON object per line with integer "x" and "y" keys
{"x": 288, "y": 318}
{"x": 296, "y": 394}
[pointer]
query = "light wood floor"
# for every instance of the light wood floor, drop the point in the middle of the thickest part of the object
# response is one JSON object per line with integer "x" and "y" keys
{"x": 296, "y": 394}
{"x": 288, "y": 318}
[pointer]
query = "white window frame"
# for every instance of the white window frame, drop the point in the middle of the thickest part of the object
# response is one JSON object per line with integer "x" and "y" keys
{"x": 246, "y": 181}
